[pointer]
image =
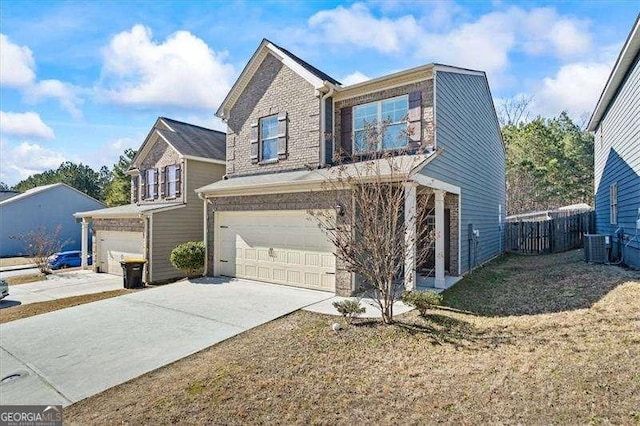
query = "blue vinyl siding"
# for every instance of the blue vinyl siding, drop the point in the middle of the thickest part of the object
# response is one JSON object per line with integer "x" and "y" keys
{"x": 617, "y": 160}
{"x": 472, "y": 158}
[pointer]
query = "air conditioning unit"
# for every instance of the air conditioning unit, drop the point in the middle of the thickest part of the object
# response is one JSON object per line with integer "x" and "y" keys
{"x": 596, "y": 248}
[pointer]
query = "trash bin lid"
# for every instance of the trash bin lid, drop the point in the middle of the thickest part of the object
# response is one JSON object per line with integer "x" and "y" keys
{"x": 132, "y": 260}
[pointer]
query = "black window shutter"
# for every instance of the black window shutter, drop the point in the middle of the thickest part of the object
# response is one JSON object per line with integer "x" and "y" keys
{"x": 254, "y": 141}
{"x": 155, "y": 181}
{"x": 178, "y": 180}
{"x": 134, "y": 189}
{"x": 163, "y": 182}
{"x": 143, "y": 185}
{"x": 415, "y": 120}
{"x": 346, "y": 123}
{"x": 282, "y": 135}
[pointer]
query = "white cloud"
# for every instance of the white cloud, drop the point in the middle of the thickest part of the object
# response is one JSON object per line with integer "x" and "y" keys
{"x": 26, "y": 124}
{"x": 575, "y": 88}
{"x": 17, "y": 69}
{"x": 16, "y": 64}
{"x": 354, "y": 78}
{"x": 358, "y": 26}
{"x": 21, "y": 161}
{"x": 66, "y": 94}
{"x": 483, "y": 42}
{"x": 182, "y": 71}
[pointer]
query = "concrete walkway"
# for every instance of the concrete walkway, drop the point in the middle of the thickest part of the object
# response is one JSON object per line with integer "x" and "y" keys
{"x": 64, "y": 356}
{"x": 370, "y": 305}
{"x": 59, "y": 286}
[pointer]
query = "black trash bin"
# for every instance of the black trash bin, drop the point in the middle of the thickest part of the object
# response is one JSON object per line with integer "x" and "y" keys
{"x": 132, "y": 272}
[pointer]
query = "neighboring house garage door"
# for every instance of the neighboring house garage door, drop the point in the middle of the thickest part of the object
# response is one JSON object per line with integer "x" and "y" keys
{"x": 281, "y": 247}
{"x": 113, "y": 246}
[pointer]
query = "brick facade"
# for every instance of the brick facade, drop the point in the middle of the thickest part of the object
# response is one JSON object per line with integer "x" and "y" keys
{"x": 291, "y": 201}
{"x": 275, "y": 89}
{"x": 426, "y": 87}
{"x": 124, "y": 224}
{"x": 121, "y": 224}
{"x": 160, "y": 155}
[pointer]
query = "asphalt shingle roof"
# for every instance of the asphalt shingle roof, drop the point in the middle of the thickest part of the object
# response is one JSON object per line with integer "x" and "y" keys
{"x": 196, "y": 141}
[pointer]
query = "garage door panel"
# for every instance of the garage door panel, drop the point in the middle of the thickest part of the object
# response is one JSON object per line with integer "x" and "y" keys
{"x": 279, "y": 247}
{"x": 114, "y": 246}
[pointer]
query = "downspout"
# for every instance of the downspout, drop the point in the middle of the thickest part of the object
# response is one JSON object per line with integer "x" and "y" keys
{"x": 147, "y": 243}
{"x": 205, "y": 234}
{"x": 323, "y": 122}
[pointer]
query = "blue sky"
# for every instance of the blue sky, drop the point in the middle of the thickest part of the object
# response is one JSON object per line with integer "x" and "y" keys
{"x": 82, "y": 81}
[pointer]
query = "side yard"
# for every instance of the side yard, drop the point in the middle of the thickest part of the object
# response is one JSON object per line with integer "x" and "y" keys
{"x": 523, "y": 340}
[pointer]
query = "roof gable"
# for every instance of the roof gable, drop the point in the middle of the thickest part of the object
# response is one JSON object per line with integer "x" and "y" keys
{"x": 188, "y": 140}
{"x": 621, "y": 69}
{"x": 310, "y": 73}
{"x": 40, "y": 189}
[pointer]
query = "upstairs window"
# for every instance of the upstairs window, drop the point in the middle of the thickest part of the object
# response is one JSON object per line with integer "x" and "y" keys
{"x": 172, "y": 180}
{"x": 151, "y": 183}
{"x": 381, "y": 126}
{"x": 269, "y": 138}
{"x": 613, "y": 204}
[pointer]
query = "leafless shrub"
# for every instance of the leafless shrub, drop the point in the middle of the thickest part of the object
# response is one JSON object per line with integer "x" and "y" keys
{"x": 370, "y": 235}
{"x": 41, "y": 243}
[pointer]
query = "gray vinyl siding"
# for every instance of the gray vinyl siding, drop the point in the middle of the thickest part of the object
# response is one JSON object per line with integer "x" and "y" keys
{"x": 471, "y": 157}
{"x": 617, "y": 160}
{"x": 49, "y": 209}
{"x": 177, "y": 226}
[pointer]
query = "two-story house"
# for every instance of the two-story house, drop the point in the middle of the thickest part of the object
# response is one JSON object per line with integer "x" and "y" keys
{"x": 616, "y": 123}
{"x": 165, "y": 211}
{"x": 287, "y": 122}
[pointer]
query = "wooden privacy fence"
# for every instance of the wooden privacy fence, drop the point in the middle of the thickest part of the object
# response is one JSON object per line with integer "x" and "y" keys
{"x": 548, "y": 236}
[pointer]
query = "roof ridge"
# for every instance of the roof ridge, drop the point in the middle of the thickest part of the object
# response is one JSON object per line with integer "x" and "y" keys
{"x": 191, "y": 125}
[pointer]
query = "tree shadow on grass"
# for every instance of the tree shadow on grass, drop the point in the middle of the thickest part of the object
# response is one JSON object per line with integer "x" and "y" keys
{"x": 442, "y": 329}
{"x": 517, "y": 285}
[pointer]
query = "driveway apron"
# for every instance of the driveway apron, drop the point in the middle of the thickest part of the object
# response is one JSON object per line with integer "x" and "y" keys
{"x": 64, "y": 356}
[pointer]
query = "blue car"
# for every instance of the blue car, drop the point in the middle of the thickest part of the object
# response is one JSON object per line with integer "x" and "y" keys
{"x": 66, "y": 259}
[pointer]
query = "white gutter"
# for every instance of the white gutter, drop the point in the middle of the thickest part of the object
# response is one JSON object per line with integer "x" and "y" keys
{"x": 323, "y": 122}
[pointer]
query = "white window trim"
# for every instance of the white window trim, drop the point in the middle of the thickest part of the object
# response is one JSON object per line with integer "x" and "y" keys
{"x": 174, "y": 181}
{"x": 613, "y": 203}
{"x": 379, "y": 118}
{"x": 261, "y": 139}
{"x": 148, "y": 194}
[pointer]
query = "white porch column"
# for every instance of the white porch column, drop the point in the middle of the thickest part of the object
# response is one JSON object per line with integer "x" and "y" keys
{"x": 440, "y": 233}
{"x": 410, "y": 201}
{"x": 84, "y": 244}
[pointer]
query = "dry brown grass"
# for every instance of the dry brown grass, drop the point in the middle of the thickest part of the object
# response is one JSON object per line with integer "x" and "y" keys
{"x": 31, "y": 309}
{"x": 15, "y": 261}
{"x": 25, "y": 279}
{"x": 574, "y": 366}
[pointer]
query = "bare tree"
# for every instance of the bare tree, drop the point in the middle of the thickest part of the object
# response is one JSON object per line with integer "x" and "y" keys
{"x": 370, "y": 234}
{"x": 42, "y": 243}
{"x": 514, "y": 110}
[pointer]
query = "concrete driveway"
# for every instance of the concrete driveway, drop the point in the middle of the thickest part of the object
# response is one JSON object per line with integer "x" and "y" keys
{"x": 67, "y": 355}
{"x": 59, "y": 286}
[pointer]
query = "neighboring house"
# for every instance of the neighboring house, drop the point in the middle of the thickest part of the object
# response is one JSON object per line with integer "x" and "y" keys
{"x": 616, "y": 123}
{"x": 47, "y": 207}
{"x": 165, "y": 211}
{"x": 286, "y": 121}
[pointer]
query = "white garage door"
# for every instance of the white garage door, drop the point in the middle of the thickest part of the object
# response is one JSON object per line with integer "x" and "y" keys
{"x": 281, "y": 247}
{"x": 113, "y": 246}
